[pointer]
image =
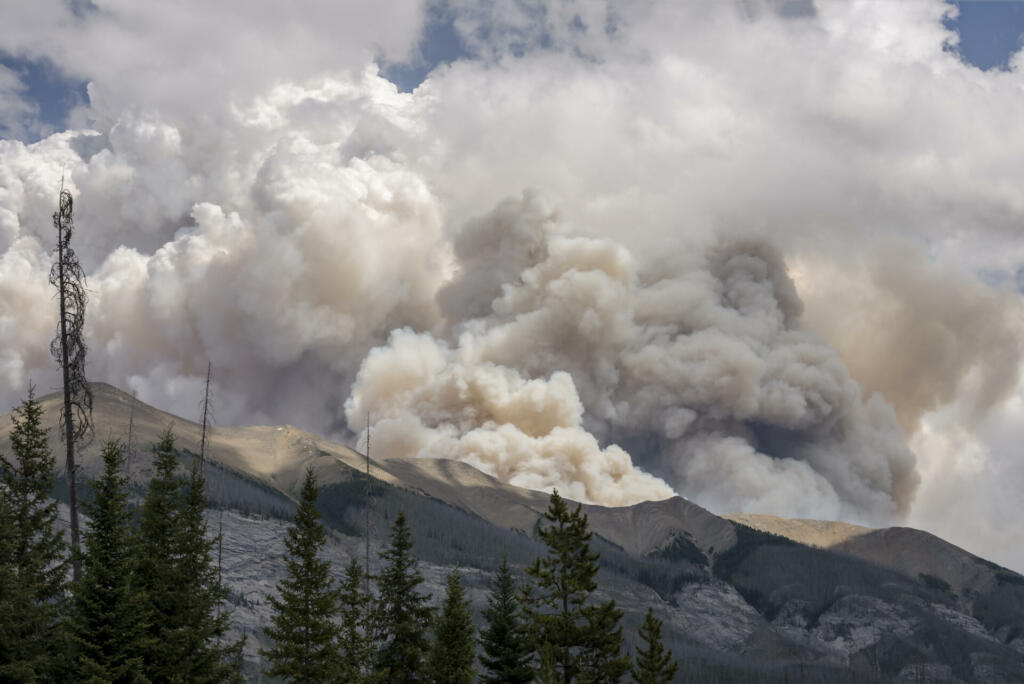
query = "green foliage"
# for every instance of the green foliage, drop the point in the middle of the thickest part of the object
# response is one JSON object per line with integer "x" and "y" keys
{"x": 156, "y": 571}
{"x": 33, "y": 555}
{"x": 453, "y": 651}
{"x": 586, "y": 638}
{"x": 303, "y": 624}
{"x": 507, "y": 649}
{"x": 403, "y": 616}
{"x": 353, "y": 641}
{"x": 201, "y": 624}
{"x": 178, "y": 579}
{"x": 108, "y": 619}
{"x": 653, "y": 665}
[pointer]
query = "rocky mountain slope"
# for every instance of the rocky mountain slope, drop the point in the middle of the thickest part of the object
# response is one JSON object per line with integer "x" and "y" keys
{"x": 744, "y": 598}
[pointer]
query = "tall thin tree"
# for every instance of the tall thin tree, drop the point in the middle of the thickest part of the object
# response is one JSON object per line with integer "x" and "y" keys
{"x": 128, "y": 444}
{"x": 505, "y": 641}
{"x": 206, "y": 416}
{"x": 304, "y": 626}
{"x": 68, "y": 348}
{"x": 453, "y": 650}
{"x": 583, "y": 637}
{"x": 366, "y": 505}
{"x": 653, "y": 665}
{"x": 403, "y": 614}
{"x": 108, "y": 622}
{"x": 31, "y": 630}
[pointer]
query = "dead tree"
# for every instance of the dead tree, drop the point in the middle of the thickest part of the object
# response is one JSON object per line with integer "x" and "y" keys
{"x": 206, "y": 417}
{"x": 68, "y": 349}
{"x": 366, "y": 505}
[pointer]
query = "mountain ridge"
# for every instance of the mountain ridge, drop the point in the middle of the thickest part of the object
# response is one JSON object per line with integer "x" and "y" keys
{"x": 737, "y": 591}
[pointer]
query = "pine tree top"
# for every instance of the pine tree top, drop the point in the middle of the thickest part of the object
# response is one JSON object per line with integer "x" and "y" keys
{"x": 653, "y": 664}
{"x": 507, "y": 649}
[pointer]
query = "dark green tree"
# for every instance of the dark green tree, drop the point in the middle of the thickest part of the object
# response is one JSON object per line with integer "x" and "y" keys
{"x": 108, "y": 617}
{"x": 175, "y": 571}
{"x": 7, "y": 590}
{"x": 653, "y": 665}
{"x": 34, "y": 556}
{"x": 507, "y": 649}
{"x": 201, "y": 624}
{"x": 157, "y": 571}
{"x": 303, "y": 624}
{"x": 354, "y": 641}
{"x": 584, "y": 638}
{"x": 453, "y": 650}
{"x": 403, "y": 616}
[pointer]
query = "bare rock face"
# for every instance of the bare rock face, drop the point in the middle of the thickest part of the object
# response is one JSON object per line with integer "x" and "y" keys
{"x": 715, "y": 614}
{"x": 856, "y": 622}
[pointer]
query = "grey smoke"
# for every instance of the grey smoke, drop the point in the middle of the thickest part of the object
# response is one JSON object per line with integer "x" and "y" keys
{"x": 701, "y": 366}
{"x": 294, "y": 219}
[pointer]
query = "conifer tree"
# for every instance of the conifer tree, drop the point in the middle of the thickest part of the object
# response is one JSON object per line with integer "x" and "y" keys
{"x": 108, "y": 623}
{"x": 177, "y": 576}
{"x": 354, "y": 639}
{"x": 402, "y": 617}
{"x": 585, "y": 638}
{"x": 653, "y": 664}
{"x": 507, "y": 649}
{"x": 303, "y": 624}
{"x": 35, "y": 555}
{"x": 156, "y": 571}
{"x": 200, "y": 626}
{"x": 453, "y": 650}
{"x": 7, "y": 583}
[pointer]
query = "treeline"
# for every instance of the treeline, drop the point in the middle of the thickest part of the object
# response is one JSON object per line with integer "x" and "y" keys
{"x": 549, "y": 627}
{"x": 148, "y": 602}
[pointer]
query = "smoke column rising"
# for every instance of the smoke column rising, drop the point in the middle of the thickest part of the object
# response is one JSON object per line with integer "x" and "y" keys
{"x": 718, "y": 184}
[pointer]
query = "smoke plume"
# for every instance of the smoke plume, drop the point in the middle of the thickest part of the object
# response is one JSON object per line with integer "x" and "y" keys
{"x": 698, "y": 365}
{"x": 703, "y": 297}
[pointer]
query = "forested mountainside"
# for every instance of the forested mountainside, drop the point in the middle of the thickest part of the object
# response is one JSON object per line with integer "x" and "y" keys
{"x": 742, "y": 599}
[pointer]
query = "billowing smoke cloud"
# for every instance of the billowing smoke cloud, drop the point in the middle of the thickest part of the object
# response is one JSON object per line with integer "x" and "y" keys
{"x": 935, "y": 334}
{"x": 699, "y": 365}
{"x": 336, "y": 247}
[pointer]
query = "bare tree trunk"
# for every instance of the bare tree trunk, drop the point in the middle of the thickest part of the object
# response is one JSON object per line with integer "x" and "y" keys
{"x": 68, "y": 349}
{"x": 206, "y": 415}
{"x": 128, "y": 444}
{"x": 69, "y": 436}
{"x": 366, "y": 505}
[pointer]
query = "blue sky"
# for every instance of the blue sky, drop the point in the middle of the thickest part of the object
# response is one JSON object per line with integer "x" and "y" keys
{"x": 990, "y": 31}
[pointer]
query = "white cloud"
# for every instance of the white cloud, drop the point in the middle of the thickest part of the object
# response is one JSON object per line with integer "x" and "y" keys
{"x": 18, "y": 117}
{"x": 256, "y": 194}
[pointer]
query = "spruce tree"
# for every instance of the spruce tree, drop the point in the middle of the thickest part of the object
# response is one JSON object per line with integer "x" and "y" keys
{"x": 402, "y": 616}
{"x": 35, "y": 554}
{"x": 156, "y": 571}
{"x": 354, "y": 639}
{"x": 177, "y": 576}
{"x": 507, "y": 649}
{"x": 453, "y": 651}
{"x": 201, "y": 625}
{"x": 584, "y": 638}
{"x": 108, "y": 623}
{"x": 303, "y": 623}
{"x": 653, "y": 664}
{"x": 12, "y": 668}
